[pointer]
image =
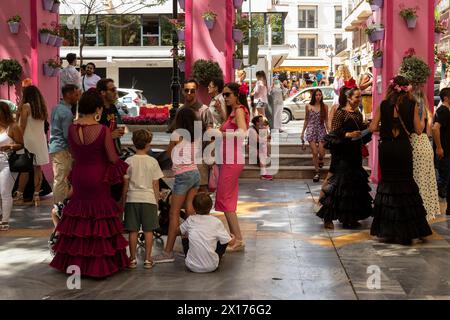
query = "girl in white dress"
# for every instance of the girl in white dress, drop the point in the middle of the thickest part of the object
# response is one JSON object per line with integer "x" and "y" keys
{"x": 32, "y": 115}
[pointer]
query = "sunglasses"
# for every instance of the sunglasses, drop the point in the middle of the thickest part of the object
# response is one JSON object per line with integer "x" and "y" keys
{"x": 226, "y": 94}
{"x": 189, "y": 91}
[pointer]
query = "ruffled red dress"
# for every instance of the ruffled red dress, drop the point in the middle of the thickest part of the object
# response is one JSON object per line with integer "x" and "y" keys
{"x": 90, "y": 231}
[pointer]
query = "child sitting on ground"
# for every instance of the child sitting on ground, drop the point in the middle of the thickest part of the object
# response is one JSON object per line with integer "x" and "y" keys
{"x": 259, "y": 144}
{"x": 206, "y": 237}
{"x": 140, "y": 196}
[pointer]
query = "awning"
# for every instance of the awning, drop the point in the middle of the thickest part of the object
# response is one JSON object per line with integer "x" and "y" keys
{"x": 302, "y": 66}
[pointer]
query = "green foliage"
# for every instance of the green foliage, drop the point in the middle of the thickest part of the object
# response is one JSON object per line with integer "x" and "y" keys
{"x": 15, "y": 18}
{"x": 206, "y": 70}
{"x": 377, "y": 53}
{"x": 415, "y": 70}
{"x": 373, "y": 28}
{"x": 408, "y": 13}
{"x": 10, "y": 71}
{"x": 209, "y": 15}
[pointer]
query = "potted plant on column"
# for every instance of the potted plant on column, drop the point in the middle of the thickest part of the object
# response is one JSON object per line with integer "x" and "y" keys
{"x": 237, "y": 59}
{"x": 56, "y": 31}
{"x": 14, "y": 24}
{"x": 55, "y": 7}
{"x": 414, "y": 69}
{"x": 377, "y": 59}
{"x": 238, "y": 4}
{"x": 440, "y": 28}
{"x": 239, "y": 28}
{"x": 48, "y": 4}
{"x": 375, "y": 4}
{"x": 375, "y": 32}
{"x": 44, "y": 34}
{"x": 10, "y": 73}
{"x": 181, "y": 59}
{"x": 210, "y": 18}
{"x": 410, "y": 16}
{"x": 179, "y": 27}
{"x": 49, "y": 67}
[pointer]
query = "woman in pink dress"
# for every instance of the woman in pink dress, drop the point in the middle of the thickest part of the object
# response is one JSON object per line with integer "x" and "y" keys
{"x": 235, "y": 129}
{"x": 90, "y": 232}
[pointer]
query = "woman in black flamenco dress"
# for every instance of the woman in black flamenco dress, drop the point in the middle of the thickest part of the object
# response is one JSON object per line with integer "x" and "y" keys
{"x": 399, "y": 214}
{"x": 346, "y": 195}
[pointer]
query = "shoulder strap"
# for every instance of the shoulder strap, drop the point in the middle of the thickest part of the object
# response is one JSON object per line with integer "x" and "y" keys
{"x": 82, "y": 83}
{"x": 401, "y": 121}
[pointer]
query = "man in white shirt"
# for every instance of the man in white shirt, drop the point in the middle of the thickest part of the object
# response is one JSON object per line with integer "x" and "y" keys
{"x": 217, "y": 104}
{"x": 90, "y": 79}
{"x": 70, "y": 75}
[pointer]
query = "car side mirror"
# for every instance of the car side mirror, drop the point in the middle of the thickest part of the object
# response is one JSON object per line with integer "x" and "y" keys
{"x": 295, "y": 99}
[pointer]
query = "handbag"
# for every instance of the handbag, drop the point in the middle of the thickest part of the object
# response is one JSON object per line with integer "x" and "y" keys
{"x": 22, "y": 162}
{"x": 331, "y": 139}
{"x": 213, "y": 178}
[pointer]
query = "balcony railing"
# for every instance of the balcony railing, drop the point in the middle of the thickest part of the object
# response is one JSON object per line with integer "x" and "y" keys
{"x": 341, "y": 46}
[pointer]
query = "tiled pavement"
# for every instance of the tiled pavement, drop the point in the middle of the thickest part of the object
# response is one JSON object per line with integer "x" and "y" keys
{"x": 288, "y": 256}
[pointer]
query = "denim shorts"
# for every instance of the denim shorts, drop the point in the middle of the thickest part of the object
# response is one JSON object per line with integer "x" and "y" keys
{"x": 186, "y": 181}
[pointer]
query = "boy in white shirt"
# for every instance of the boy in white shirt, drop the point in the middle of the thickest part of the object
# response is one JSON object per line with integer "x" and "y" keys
{"x": 206, "y": 237}
{"x": 141, "y": 195}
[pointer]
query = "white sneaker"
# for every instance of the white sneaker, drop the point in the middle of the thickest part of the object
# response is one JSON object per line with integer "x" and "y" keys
{"x": 164, "y": 258}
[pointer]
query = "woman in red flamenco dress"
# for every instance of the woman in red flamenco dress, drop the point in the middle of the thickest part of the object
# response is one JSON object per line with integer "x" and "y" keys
{"x": 90, "y": 232}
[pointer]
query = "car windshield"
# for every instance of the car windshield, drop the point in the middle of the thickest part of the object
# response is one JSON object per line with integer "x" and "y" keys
{"x": 122, "y": 94}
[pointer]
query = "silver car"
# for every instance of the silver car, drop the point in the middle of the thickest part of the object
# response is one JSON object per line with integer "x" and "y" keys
{"x": 294, "y": 107}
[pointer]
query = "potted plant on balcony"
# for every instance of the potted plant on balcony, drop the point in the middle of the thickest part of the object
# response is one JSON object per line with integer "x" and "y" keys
{"x": 182, "y": 4}
{"x": 48, "y": 4}
{"x": 440, "y": 28}
{"x": 44, "y": 33}
{"x": 410, "y": 15}
{"x": 375, "y": 4}
{"x": 377, "y": 58}
{"x": 55, "y": 7}
{"x": 237, "y": 59}
{"x": 10, "y": 73}
{"x": 14, "y": 24}
{"x": 375, "y": 32}
{"x": 51, "y": 67}
{"x": 210, "y": 18}
{"x": 238, "y": 4}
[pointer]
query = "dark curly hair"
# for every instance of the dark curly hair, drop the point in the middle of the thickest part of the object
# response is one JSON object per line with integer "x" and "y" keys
{"x": 89, "y": 102}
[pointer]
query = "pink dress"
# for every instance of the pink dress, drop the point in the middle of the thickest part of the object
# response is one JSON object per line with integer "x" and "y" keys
{"x": 228, "y": 184}
{"x": 90, "y": 229}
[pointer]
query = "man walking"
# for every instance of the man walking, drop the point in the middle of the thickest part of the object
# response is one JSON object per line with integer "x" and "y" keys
{"x": 90, "y": 79}
{"x": 61, "y": 120}
{"x": 70, "y": 75}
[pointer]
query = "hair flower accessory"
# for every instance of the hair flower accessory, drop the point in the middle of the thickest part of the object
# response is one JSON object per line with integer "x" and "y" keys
{"x": 399, "y": 88}
{"x": 350, "y": 84}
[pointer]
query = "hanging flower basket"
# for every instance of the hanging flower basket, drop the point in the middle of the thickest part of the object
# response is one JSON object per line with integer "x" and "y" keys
{"x": 238, "y": 4}
{"x": 210, "y": 18}
{"x": 237, "y": 63}
{"x": 180, "y": 34}
{"x": 59, "y": 41}
{"x": 411, "y": 23}
{"x": 55, "y": 72}
{"x": 14, "y": 27}
{"x": 375, "y": 5}
{"x": 52, "y": 40}
{"x": 43, "y": 37}
{"x": 209, "y": 24}
{"x": 182, "y": 66}
{"x": 55, "y": 7}
{"x": 375, "y": 33}
{"x": 238, "y": 35}
{"x": 378, "y": 62}
{"x": 48, "y": 4}
{"x": 48, "y": 71}
{"x": 182, "y": 4}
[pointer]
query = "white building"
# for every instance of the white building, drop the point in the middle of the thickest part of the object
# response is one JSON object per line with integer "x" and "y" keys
{"x": 132, "y": 46}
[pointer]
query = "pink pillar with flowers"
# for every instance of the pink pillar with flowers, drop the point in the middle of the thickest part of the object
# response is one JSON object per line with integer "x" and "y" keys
{"x": 215, "y": 43}
{"x": 398, "y": 40}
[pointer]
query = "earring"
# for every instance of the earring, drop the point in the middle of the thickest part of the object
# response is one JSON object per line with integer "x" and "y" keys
{"x": 97, "y": 117}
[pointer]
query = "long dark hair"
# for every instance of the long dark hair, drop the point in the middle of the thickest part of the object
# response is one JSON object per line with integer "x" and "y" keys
{"x": 346, "y": 93}
{"x": 234, "y": 87}
{"x": 34, "y": 98}
{"x": 323, "y": 109}
{"x": 398, "y": 97}
{"x": 262, "y": 74}
{"x": 5, "y": 114}
{"x": 185, "y": 119}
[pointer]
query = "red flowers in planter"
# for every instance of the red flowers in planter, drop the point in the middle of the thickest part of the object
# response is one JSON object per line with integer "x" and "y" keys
{"x": 147, "y": 119}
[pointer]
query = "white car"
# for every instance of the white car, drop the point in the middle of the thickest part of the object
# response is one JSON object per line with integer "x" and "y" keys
{"x": 131, "y": 100}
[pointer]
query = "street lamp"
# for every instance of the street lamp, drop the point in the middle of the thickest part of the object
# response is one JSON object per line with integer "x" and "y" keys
{"x": 329, "y": 51}
{"x": 175, "y": 86}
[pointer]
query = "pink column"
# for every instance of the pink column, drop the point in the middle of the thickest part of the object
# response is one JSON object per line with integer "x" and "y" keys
{"x": 398, "y": 39}
{"x": 216, "y": 44}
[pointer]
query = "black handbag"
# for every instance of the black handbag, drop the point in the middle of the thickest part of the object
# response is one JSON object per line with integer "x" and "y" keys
{"x": 331, "y": 140}
{"x": 22, "y": 162}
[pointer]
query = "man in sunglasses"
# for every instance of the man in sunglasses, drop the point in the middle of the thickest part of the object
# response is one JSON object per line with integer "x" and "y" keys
{"x": 204, "y": 114}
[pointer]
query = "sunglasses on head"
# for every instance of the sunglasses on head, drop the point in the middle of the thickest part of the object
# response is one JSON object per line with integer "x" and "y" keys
{"x": 189, "y": 91}
{"x": 226, "y": 94}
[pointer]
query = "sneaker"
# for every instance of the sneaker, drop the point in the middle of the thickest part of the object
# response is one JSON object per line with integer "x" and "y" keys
{"x": 163, "y": 258}
{"x": 267, "y": 177}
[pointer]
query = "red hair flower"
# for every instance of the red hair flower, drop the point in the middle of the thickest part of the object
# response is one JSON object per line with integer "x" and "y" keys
{"x": 350, "y": 84}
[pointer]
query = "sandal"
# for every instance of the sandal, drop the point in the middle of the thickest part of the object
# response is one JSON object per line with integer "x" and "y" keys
{"x": 133, "y": 264}
{"x": 239, "y": 246}
{"x": 148, "y": 264}
{"x": 316, "y": 177}
{"x": 18, "y": 196}
{"x": 4, "y": 226}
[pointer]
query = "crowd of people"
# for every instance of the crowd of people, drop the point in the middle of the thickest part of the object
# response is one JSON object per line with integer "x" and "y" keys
{"x": 98, "y": 195}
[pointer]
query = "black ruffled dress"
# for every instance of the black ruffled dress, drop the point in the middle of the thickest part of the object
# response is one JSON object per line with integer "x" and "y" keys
{"x": 347, "y": 194}
{"x": 399, "y": 214}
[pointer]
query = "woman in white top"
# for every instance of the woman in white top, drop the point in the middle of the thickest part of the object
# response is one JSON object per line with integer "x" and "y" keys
{"x": 32, "y": 115}
{"x": 343, "y": 74}
{"x": 445, "y": 83}
{"x": 260, "y": 93}
{"x": 10, "y": 139}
